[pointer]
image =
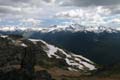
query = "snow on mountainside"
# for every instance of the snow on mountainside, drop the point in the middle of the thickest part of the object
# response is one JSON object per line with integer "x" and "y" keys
{"x": 57, "y": 28}
{"x": 71, "y": 59}
{"x": 74, "y": 62}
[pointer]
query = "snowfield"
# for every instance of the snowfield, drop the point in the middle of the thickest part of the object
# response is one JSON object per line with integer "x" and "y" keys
{"x": 73, "y": 60}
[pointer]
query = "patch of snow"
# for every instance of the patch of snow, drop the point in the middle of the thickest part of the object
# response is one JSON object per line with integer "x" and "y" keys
{"x": 82, "y": 57}
{"x": 34, "y": 40}
{"x": 73, "y": 60}
{"x": 24, "y": 45}
{"x": 67, "y": 55}
{"x": 4, "y": 36}
{"x": 72, "y": 69}
{"x": 90, "y": 66}
{"x": 74, "y": 64}
{"x": 51, "y": 51}
{"x": 6, "y": 28}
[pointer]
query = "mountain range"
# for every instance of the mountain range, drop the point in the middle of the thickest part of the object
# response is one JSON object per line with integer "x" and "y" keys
{"x": 57, "y": 28}
{"x": 98, "y": 43}
{"x": 34, "y": 53}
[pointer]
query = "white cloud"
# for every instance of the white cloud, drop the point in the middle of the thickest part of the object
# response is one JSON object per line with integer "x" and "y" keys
{"x": 90, "y": 2}
{"x": 9, "y": 9}
{"x": 50, "y": 1}
{"x": 32, "y": 21}
{"x": 117, "y": 20}
{"x": 84, "y": 12}
{"x": 81, "y": 11}
{"x": 86, "y": 15}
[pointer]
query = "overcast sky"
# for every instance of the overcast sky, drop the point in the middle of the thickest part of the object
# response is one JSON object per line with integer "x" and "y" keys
{"x": 41, "y": 13}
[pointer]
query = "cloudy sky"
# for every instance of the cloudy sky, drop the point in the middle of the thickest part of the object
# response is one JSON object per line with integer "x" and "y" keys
{"x": 42, "y": 13}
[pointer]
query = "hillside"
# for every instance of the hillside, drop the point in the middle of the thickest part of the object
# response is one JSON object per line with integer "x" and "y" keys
{"x": 31, "y": 56}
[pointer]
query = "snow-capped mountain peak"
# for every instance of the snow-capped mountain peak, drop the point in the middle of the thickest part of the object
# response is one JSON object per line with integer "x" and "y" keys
{"x": 58, "y": 28}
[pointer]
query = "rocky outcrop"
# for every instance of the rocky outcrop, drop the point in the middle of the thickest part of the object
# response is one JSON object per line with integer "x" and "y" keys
{"x": 26, "y": 55}
{"x": 19, "y": 57}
